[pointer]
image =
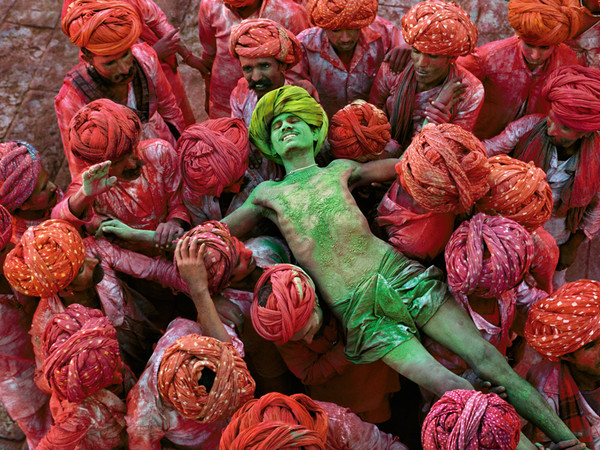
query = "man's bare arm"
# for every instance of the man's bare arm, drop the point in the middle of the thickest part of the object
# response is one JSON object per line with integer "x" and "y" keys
{"x": 245, "y": 218}
{"x": 374, "y": 172}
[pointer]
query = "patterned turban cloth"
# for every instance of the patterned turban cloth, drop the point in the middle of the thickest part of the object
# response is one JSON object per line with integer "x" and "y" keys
{"x": 471, "y": 420}
{"x": 284, "y": 299}
{"x": 518, "y": 191}
{"x": 261, "y": 38}
{"x": 46, "y": 260}
{"x": 342, "y": 14}
{"x": 437, "y": 27}
{"x": 565, "y": 321}
{"x": 20, "y": 167}
{"x": 220, "y": 246}
{"x": 359, "y": 131}
{"x": 285, "y": 100}
{"x": 445, "y": 169}
{"x": 510, "y": 249}
{"x": 546, "y": 22}
{"x": 6, "y": 228}
{"x": 192, "y": 363}
{"x": 82, "y": 353}
{"x": 104, "y": 130}
{"x": 213, "y": 157}
{"x": 104, "y": 28}
{"x": 297, "y": 409}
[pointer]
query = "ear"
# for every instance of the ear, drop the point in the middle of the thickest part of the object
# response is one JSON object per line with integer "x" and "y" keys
{"x": 316, "y": 133}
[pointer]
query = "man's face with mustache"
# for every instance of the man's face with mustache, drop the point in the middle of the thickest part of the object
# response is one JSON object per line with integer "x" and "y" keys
{"x": 263, "y": 74}
{"x": 116, "y": 69}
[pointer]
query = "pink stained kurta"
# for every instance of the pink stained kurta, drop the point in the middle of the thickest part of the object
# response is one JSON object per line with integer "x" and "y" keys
{"x": 150, "y": 419}
{"x": 336, "y": 84}
{"x": 215, "y": 20}
{"x": 511, "y": 89}
{"x": 162, "y": 104}
{"x": 587, "y": 47}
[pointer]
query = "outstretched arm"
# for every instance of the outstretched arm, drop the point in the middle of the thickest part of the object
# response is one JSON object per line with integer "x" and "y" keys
{"x": 374, "y": 172}
{"x": 245, "y": 218}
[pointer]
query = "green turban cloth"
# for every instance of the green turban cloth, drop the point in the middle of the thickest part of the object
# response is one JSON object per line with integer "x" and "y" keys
{"x": 285, "y": 100}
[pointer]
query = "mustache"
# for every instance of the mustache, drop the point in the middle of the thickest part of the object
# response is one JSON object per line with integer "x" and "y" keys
{"x": 127, "y": 75}
{"x": 265, "y": 83}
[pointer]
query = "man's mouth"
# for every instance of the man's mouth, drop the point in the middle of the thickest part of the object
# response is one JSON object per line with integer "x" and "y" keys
{"x": 288, "y": 136}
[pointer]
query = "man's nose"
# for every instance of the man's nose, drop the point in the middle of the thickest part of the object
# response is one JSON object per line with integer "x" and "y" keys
{"x": 256, "y": 75}
{"x": 124, "y": 67}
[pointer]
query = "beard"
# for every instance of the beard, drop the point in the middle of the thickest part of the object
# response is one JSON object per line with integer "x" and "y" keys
{"x": 262, "y": 85}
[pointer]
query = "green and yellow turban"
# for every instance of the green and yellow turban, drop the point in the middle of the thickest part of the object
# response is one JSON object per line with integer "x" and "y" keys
{"x": 285, "y": 100}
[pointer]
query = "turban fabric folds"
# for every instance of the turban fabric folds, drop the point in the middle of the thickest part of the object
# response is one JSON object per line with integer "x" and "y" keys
{"x": 213, "y": 157}
{"x": 20, "y": 167}
{"x": 290, "y": 300}
{"x": 185, "y": 365}
{"x": 546, "y": 22}
{"x": 238, "y": 3}
{"x": 271, "y": 435}
{"x": 104, "y": 130}
{"x": 82, "y": 353}
{"x": 445, "y": 168}
{"x": 359, "y": 131}
{"x": 261, "y": 38}
{"x": 104, "y": 28}
{"x": 510, "y": 249}
{"x": 46, "y": 260}
{"x": 297, "y": 409}
{"x": 518, "y": 191}
{"x": 285, "y": 100}
{"x": 6, "y": 228}
{"x": 220, "y": 245}
{"x": 438, "y": 27}
{"x": 565, "y": 321}
{"x": 471, "y": 420}
{"x": 342, "y": 14}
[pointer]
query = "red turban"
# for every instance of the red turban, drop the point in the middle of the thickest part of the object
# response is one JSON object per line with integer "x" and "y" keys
{"x": 574, "y": 96}
{"x": 445, "y": 168}
{"x": 20, "y": 167}
{"x": 360, "y": 131}
{"x": 297, "y": 409}
{"x": 104, "y": 130}
{"x": 104, "y": 28}
{"x": 46, "y": 260}
{"x": 565, "y": 321}
{"x": 546, "y": 22}
{"x": 340, "y": 14}
{"x": 437, "y": 27}
{"x": 275, "y": 435}
{"x": 85, "y": 356}
{"x": 220, "y": 246}
{"x": 5, "y": 227}
{"x": 181, "y": 370}
{"x": 518, "y": 191}
{"x": 510, "y": 249}
{"x": 260, "y": 38}
{"x": 471, "y": 420}
{"x": 290, "y": 300}
{"x": 214, "y": 157}
{"x": 238, "y": 3}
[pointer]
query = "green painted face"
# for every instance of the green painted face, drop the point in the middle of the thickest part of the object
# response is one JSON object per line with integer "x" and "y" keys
{"x": 291, "y": 132}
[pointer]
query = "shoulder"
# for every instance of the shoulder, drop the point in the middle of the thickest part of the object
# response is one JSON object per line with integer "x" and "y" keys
{"x": 146, "y": 56}
{"x": 473, "y": 83}
{"x": 384, "y": 28}
{"x": 311, "y": 38}
{"x": 544, "y": 376}
{"x": 156, "y": 151}
{"x": 491, "y": 49}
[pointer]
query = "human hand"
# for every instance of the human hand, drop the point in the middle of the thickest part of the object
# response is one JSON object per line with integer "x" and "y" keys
{"x": 485, "y": 386}
{"x": 116, "y": 228}
{"x": 167, "y": 233}
{"x": 255, "y": 160}
{"x": 229, "y": 313}
{"x": 398, "y": 57}
{"x": 189, "y": 258}
{"x": 96, "y": 180}
{"x": 167, "y": 45}
{"x": 572, "y": 444}
{"x": 452, "y": 92}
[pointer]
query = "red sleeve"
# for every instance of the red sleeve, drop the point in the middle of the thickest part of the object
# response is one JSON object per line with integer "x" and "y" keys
{"x": 206, "y": 33}
{"x": 167, "y": 104}
{"x": 506, "y": 141}
{"x": 62, "y": 210}
{"x": 382, "y": 87}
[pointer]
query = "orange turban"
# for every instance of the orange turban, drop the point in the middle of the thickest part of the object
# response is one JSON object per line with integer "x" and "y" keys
{"x": 546, "y": 22}
{"x": 565, "y": 321}
{"x": 220, "y": 246}
{"x": 284, "y": 299}
{"x": 518, "y": 191}
{"x": 360, "y": 131}
{"x": 5, "y": 227}
{"x": 213, "y": 157}
{"x": 340, "y": 14}
{"x": 445, "y": 169}
{"x": 260, "y": 38}
{"x": 190, "y": 361}
{"x": 271, "y": 435}
{"x": 297, "y": 409}
{"x": 85, "y": 356}
{"x": 437, "y": 27}
{"x": 46, "y": 260}
{"x": 574, "y": 96}
{"x": 20, "y": 167}
{"x": 471, "y": 420}
{"x": 104, "y": 28}
{"x": 104, "y": 130}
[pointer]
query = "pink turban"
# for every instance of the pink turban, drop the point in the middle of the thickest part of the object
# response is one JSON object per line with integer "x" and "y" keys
{"x": 284, "y": 299}
{"x": 360, "y": 131}
{"x": 340, "y": 14}
{"x": 20, "y": 167}
{"x": 214, "y": 157}
{"x": 510, "y": 249}
{"x": 6, "y": 228}
{"x": 471, "y": 420}
{"x": 445, "y": 168}
{"x": 438, "y": 27}
{"x": 104, "y": 130}
{"x": 261, "y": 38}
{"x": 238, "y": 3}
